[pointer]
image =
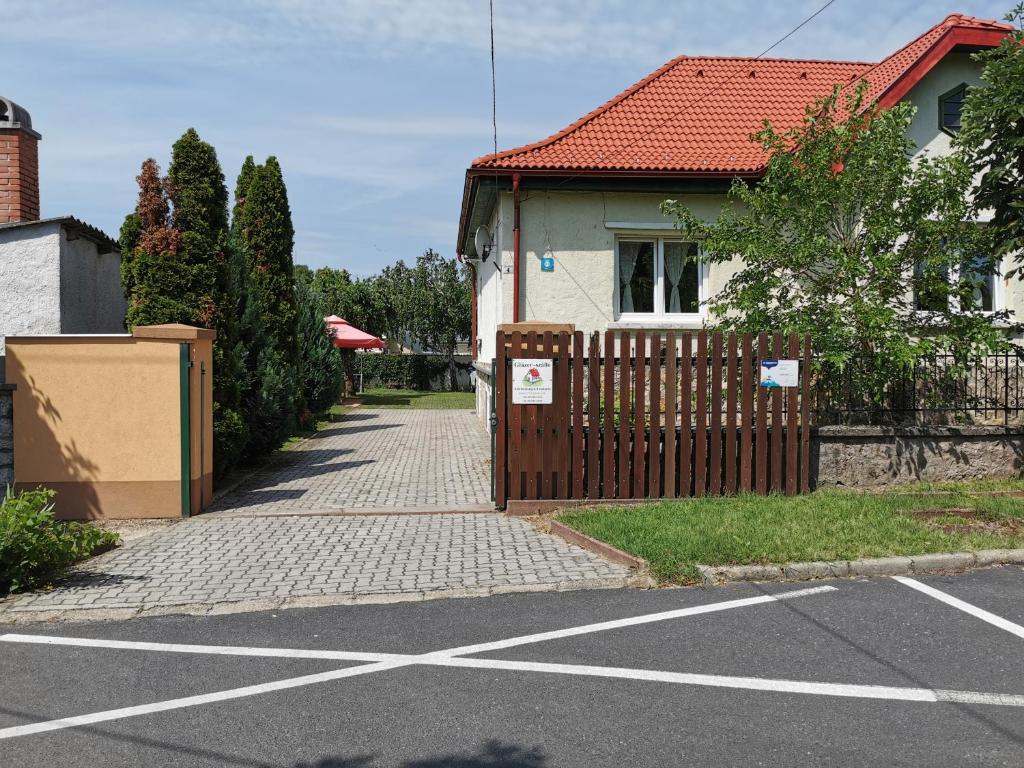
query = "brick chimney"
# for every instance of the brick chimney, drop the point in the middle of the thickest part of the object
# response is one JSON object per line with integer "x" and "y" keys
{"x": 19, "y": 164}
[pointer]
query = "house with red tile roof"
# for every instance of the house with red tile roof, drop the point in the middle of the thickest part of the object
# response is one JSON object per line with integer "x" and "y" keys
{"x": 569, "y": 229}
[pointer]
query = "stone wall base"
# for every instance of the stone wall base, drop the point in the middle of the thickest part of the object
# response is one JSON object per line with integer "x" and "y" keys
{"x": 876, "y": 457}
{"x": 6, "y": 436}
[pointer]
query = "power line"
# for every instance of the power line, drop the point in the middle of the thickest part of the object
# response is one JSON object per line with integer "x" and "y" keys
{"x": 494, "y": 85}
{"x": 707, "y": 95}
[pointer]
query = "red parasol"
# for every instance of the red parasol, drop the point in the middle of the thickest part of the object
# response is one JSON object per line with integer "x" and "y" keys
{"x": 347, "y": 336}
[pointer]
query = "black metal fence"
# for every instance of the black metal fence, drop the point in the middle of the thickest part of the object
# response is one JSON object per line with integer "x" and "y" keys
{"x": 936, "y": 390}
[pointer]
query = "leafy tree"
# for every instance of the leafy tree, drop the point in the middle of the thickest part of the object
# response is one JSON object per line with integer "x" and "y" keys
{"x": 440, "y": 300}
{"x": 321, "y": 362}
{"x": 331, "y": 286}
{"x": 176, "y": 268}
{"x": 395, "y": 297}
{"x": 303, "y": 276}
{"x": 992, "y": 138}
{"x": 841, "y": 234}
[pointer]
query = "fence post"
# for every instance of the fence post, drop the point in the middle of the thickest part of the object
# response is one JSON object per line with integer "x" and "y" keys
{"x": 1006, "y": 387}
{"x": 499, "y": 426}
{"x": 625, "y": 371}
{"x": 639, "y": 415}
{"x": 805, "y": 419}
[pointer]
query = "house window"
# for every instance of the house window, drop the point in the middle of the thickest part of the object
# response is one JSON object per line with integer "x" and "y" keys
{"x": 971, "y": 287}
{"x": 658, "y": 277}
{"x": 931, "y": 287}
{"x": 950, "y": 104}
{"x": 977, "y": 287}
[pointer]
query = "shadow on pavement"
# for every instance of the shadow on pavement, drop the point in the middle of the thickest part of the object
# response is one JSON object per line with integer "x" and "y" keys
{"x": 493, "y": 754}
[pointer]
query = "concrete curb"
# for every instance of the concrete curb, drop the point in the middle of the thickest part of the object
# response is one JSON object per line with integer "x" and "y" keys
{"x": 942, "y": 562}
{"x": 11, "y": 616}
{"x": 607, "y": 551}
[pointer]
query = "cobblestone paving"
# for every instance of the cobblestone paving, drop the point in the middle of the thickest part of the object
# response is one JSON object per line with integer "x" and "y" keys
{"x": 376, "y": 458}
{"x": 211, "y": 560}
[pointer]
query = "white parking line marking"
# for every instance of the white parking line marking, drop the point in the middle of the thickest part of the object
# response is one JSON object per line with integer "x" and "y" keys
{"x": 890, "y": 693}
{"x": 630, "y": 622}
{"x": 973, "y": 610}
{"x": 217, "y": 650}
{"x": 298, "y": 653}
{"x": 447, "y": 658}
{"x": 191, "y": 701}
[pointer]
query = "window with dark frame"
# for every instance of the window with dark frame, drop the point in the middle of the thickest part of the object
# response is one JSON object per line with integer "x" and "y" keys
{"x": 950, "y": 105}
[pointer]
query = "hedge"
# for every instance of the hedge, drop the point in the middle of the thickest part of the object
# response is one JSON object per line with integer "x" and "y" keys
{"x": 400, "y": 371}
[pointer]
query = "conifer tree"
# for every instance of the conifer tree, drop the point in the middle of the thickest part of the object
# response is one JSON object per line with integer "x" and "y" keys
{"x": 269, "y": 237}
{"x": 175, "y": 269}
{"x": 263, "y": 233}
{"x": 321, "y": 362}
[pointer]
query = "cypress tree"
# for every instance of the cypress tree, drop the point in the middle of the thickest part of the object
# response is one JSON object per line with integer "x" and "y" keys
{"x": 262, "y": 230}
{"x": 269, "y": 237}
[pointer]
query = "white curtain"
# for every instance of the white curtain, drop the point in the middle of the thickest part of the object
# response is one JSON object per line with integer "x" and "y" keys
{"x": 628, "y": 254}
{"x": 674, "y": 263}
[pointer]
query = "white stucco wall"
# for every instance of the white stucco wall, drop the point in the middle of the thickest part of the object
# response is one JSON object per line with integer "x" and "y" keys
{"x": 52, "y": 284}
{"x": 91, "y": 298}
{"x": 29, "y": 281}
{"x": 954, "y": 69}
{"x": 579, "y": 230}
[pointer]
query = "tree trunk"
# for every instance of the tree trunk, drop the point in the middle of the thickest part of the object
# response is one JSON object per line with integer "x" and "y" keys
{"x": 453, "y": 376}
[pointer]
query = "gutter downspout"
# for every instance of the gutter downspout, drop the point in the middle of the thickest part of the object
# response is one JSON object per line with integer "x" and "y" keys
{"x": 472, "y": 332}
{"x": 515, "y": 247}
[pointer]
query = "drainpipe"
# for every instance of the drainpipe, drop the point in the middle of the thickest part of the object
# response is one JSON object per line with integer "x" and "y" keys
{"x": 472, "y": 297}
{"x": 472, "y": 273}
{"x": 515, "y": 247}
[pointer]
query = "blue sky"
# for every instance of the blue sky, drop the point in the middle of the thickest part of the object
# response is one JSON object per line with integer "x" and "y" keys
{"x": 374, "y": 107}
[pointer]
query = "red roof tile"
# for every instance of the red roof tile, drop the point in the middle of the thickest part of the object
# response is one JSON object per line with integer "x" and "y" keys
{"x": 696, "y": 114}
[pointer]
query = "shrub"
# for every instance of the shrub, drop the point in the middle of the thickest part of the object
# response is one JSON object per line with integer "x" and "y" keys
{"x": 35, "y": 546}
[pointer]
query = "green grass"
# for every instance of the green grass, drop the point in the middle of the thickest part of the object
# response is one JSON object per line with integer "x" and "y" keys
{"x": 1007, "y": 485}
{"x": 410, "y": 398}
{"x": 673, "y": 536}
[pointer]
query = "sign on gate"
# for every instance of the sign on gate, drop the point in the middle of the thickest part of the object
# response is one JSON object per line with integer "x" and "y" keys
{"x": 780, "y": 373}
{"x": 532, "y": 381}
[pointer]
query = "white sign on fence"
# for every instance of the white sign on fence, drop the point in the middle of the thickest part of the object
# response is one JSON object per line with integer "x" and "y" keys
{"x": 532, "y": 382}
{"x": 780, "y": 373}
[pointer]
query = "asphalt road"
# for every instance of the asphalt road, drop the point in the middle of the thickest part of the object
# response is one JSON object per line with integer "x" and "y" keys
{"x": 845, "y": 676}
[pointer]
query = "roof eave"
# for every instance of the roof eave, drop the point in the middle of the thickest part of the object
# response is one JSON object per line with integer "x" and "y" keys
{"x": 956, "y": 37}
{"x": 89, "y": 232}
{"x": 473, "y": 173}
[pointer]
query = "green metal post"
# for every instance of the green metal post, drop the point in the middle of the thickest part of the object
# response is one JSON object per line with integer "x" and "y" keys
{"x": 184, "y": 364}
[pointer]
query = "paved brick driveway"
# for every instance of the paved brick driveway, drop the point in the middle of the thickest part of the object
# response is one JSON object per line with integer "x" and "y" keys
{"x": 400, "y": 459}
{"x": 212, "y": 564}
{"x": 265, "y": 546}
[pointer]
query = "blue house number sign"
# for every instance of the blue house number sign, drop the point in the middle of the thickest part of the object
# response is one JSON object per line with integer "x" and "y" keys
{"x": 547, "y": 264}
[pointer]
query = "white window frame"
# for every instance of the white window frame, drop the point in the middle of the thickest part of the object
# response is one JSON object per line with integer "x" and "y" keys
{"x": 928, "y": 315}
{"x": 659, "y": 315}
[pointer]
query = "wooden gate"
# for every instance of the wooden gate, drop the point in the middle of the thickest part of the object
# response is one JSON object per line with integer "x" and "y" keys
{"x": 652, "y": 416}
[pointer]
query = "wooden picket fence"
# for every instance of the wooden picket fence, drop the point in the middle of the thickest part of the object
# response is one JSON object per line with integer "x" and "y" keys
{"x": 652, "y": 416}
